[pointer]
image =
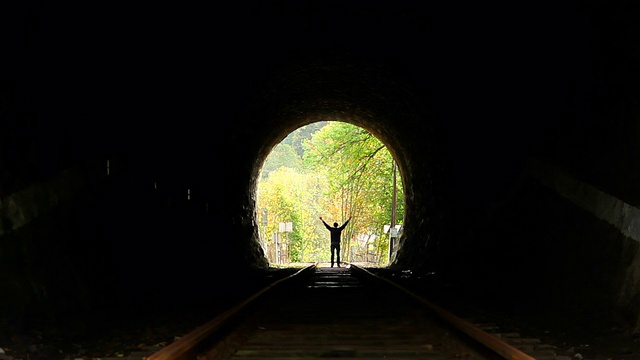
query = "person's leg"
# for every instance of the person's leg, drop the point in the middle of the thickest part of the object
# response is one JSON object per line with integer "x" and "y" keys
{"x": 338, "y": 254}
{"x": 333, "y": 250}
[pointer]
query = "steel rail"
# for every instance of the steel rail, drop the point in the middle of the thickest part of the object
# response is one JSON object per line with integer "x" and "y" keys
{"x": 494, "y": 343}
{"x": 185, "y": 348}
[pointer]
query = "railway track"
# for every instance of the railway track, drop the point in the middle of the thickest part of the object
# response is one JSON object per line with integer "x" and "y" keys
{"x": 346, "y": 312}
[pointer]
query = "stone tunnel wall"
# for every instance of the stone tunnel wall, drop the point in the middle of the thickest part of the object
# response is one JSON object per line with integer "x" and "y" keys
{"x": 566, "y": 231}
{"x": 84, "y": 240}
{"x": 559, "y": 242}
{"x": 615, "y": 260}
{"x": 44, "y": 264}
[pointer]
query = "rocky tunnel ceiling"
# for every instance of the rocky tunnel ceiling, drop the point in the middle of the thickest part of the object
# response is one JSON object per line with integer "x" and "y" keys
{"x": 509, "y": 123}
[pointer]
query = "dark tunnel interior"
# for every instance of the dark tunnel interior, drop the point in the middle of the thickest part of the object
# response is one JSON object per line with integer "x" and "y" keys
{"x": 516, "y": 127}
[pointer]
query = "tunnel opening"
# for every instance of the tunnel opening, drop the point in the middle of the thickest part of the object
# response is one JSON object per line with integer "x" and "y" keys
{"x": 338, "y": 170}
{"x": 369, "y": 95}
{"x": 365, "y": 94}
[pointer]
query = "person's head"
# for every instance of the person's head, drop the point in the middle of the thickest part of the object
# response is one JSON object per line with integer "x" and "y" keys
{"x": 335, "y": 224}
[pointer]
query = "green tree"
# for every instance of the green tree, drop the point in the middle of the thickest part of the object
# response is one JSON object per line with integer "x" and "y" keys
{"x": 282, "y": 155}
{"x": 359, "y": 170}
{"x": 291, "y": 196}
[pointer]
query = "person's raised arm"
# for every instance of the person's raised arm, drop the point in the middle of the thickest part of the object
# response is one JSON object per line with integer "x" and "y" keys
{"x": 325, "y": 224}
{"x": 345, "y": 223}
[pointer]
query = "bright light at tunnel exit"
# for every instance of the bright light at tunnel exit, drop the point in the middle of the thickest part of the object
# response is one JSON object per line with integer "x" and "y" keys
{"x": 296, "y": 187}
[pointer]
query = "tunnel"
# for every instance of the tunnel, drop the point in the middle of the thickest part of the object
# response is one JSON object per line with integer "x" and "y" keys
{"x": 133, "y": 134}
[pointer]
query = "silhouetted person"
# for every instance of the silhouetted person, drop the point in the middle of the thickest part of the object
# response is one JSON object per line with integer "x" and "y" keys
{"x": 335, "y": 238}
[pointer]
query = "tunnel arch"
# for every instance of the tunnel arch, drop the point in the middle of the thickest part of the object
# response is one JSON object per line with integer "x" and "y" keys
{"x": 370, "y": 96}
